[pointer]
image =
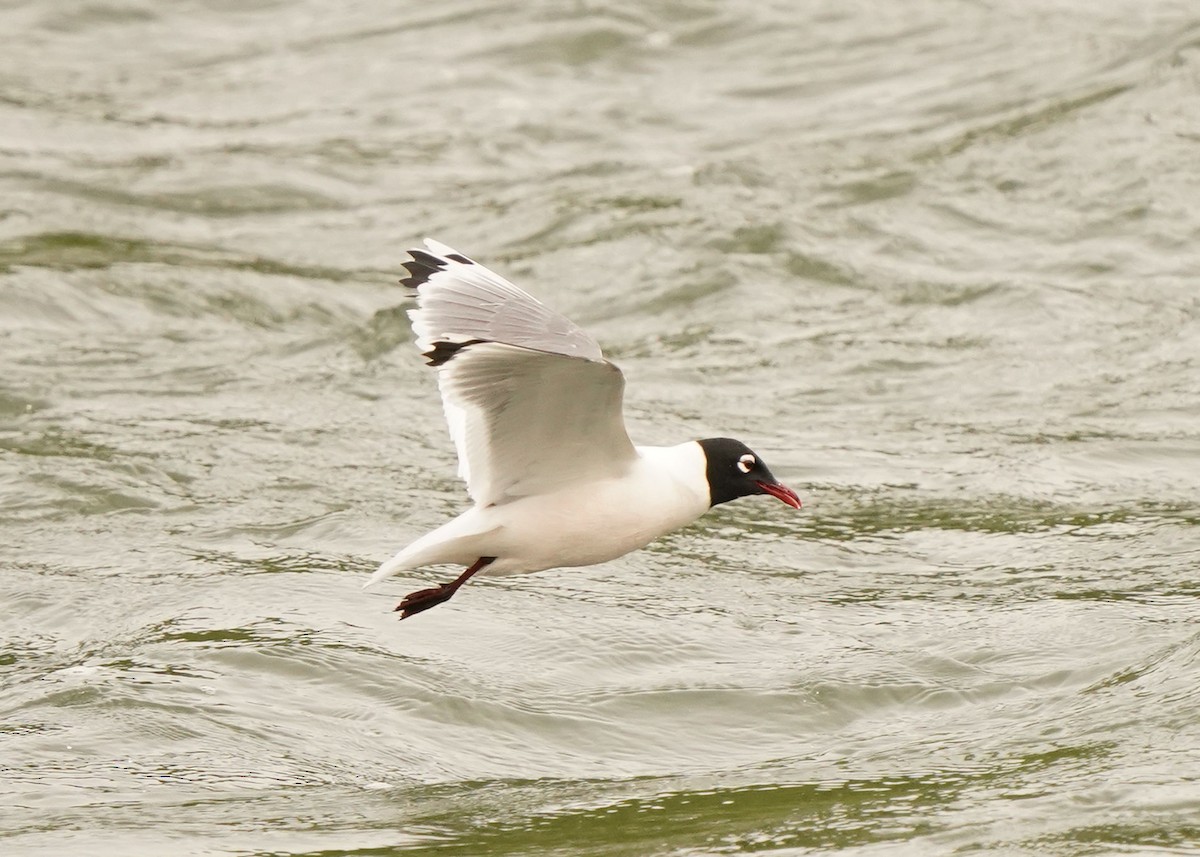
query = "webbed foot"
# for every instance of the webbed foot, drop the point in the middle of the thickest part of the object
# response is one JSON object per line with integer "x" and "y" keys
{"x": 423, "y": 599}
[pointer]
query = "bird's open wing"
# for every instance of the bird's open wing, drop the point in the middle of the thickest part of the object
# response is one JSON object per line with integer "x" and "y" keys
{"x": 531, "y": 402}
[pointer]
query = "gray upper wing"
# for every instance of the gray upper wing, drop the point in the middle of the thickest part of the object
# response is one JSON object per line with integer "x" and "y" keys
{"x": 528, "y": 422}
{"x": 460, "y": 301}
{"x": 530, "y": 401}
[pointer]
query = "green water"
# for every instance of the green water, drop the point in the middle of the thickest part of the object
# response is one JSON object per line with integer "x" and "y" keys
{"x": 935, "y": 261}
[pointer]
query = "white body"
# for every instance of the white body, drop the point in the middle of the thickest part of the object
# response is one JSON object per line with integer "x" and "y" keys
{"x": 535, "y": 413}
{"x": 580, "y": 523}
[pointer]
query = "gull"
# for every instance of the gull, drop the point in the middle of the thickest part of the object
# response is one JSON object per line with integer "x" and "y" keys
{"x": 534, "y": 411}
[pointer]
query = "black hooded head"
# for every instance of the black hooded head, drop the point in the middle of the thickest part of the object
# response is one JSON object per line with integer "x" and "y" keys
{"x": 734, "y": 470}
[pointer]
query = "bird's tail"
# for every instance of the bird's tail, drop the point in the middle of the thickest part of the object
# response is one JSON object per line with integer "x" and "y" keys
{"x": 456, "y": 541}
{"x": 395, "y": 565}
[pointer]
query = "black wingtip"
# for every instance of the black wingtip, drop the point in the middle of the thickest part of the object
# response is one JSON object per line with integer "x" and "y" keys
{"x": 424, "y": 265}
{"x": 443, "y": 351}
{"x": 420, "y": 268}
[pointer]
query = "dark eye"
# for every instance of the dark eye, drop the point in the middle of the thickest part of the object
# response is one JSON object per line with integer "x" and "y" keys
{"x": 746, "y": 463}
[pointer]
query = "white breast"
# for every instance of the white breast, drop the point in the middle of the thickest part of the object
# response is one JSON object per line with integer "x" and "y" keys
{"x": 592, "y": 522}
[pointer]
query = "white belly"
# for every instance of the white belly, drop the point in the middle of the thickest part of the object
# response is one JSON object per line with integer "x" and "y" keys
{"x": 588, "y": 524}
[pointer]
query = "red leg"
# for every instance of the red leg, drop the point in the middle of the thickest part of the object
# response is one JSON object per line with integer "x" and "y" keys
{"x": 423, "y": 599}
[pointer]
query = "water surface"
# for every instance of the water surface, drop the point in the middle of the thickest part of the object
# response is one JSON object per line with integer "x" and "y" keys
{"x": 935, "y": 261}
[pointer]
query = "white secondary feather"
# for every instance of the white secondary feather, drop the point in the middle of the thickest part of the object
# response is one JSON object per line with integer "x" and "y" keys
{"x": 531, "y": 402}
{"x": 533, "y": 421}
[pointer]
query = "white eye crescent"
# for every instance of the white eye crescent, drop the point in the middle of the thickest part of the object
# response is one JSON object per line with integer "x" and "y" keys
{"x": 746, "y": 463}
